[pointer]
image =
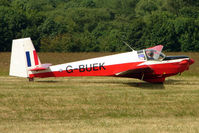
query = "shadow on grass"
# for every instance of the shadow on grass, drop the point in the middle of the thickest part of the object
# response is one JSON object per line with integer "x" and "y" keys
{"x": 145, "y": 85}
{"x": 175, "y": 82}
{"x": 48, "y": 81}
{"x": 141, "y": 85}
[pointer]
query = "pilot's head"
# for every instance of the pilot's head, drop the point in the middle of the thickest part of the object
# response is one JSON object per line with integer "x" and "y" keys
{"x": 151, "y": 53}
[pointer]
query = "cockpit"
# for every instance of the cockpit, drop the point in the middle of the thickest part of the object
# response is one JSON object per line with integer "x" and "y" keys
{"x": 150, "y": 54}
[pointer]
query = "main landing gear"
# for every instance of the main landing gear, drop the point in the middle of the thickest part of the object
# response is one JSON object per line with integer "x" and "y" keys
{"x": 31, "y": 79}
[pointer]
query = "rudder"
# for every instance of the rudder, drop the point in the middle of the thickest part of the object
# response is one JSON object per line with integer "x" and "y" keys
{"x": 23, "y": 57}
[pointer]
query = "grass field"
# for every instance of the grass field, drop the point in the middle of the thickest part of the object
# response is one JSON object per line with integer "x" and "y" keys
{"x": 97, "y": 104}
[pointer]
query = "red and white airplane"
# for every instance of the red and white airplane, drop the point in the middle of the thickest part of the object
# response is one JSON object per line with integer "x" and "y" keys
{"x": 148, "y": 64}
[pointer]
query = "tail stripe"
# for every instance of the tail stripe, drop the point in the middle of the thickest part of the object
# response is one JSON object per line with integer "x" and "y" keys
{"x": 35, "y": 58}
{"x": 28, "y": 58}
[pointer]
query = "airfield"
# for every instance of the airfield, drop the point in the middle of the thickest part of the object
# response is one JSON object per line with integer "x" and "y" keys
{"x": 98, "y": 104}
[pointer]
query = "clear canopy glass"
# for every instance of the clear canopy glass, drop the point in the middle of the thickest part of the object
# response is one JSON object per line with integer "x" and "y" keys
{"x": 150, "y": 54}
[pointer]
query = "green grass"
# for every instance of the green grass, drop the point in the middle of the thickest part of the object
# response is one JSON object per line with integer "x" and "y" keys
{"x": 97, "y": 104}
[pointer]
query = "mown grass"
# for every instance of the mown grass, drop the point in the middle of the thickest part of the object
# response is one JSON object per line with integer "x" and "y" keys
{"x": 97, "y": 104}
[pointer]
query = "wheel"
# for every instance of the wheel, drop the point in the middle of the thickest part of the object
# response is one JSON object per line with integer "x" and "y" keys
{"x": 31, "y": 79}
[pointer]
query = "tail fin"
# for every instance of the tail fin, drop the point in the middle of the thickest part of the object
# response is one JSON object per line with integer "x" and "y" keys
{"x": 23, "y": 57}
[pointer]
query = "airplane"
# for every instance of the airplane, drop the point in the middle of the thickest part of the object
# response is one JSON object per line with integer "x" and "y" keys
{"x": 149, "y": 65}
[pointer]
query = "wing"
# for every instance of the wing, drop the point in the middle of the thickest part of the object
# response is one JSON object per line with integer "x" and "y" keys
{"x": 139, "y": 70}
{"x": 40, "y": 68}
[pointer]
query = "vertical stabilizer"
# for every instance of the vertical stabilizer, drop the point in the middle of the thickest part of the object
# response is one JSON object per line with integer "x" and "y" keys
{"x": 23, "y": 57}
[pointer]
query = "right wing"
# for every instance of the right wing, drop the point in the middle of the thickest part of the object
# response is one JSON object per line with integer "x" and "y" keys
{"x": 138, "y": 70}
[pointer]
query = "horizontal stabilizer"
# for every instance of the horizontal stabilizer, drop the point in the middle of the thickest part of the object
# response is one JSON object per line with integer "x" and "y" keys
{"x": 40, "y": 68}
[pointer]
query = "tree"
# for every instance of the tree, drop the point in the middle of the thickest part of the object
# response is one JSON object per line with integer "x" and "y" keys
{"x": 160, "y": 30}
{"x": 145, "y": 7}
{"x": 100, "y": 25}
{"x": 12, "y": 22}
{"x": 59, "y": 43}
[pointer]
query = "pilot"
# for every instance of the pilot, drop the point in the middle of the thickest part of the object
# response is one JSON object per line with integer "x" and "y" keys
{"x": 150, "y": 55}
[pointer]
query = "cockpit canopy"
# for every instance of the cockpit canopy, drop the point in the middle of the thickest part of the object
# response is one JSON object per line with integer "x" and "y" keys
{"x": 154, "y": 54}
{"x": 150, "y": 54}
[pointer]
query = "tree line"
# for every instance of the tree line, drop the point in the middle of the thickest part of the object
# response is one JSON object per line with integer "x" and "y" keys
{"x": 100, "y": 25}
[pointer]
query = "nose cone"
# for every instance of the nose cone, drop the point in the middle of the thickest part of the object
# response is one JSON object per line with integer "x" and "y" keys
{"x": 184, "y": 64}
{"x": 191, "y": 61}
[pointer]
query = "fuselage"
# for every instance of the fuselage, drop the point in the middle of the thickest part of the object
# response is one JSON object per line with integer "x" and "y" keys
{"x": 102, "y": 66}
{"x": 114, "y": 64}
